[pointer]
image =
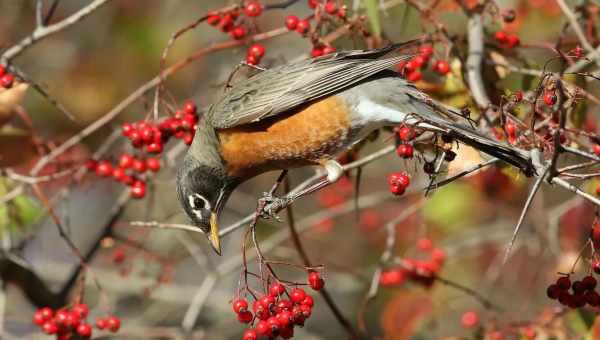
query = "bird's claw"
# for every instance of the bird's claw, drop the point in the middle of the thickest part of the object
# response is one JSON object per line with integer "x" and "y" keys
{"x": 271, "y": 206}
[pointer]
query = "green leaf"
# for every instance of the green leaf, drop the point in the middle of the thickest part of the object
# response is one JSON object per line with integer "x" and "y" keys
{"x": 372, "y": 7}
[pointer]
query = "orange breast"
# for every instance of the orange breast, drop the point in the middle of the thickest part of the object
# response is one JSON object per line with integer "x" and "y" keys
{"x": 299, "y": 138}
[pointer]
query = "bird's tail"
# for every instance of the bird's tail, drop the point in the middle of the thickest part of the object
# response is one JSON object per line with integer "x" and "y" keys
{"x": 438, "y": 115}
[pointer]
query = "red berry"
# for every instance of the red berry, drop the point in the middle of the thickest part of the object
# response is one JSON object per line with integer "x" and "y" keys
{"x": 313, "y": 3}
{"x": 138, "y": 189}
{"x": 155, "y": 148}
{"x": 7, "y": 80}
{"x": 73, "y": 319}
{"x": 291, "y": 22}
{"x": 125, "y": 161}
{"x": 127, "y": 129}
{"x": 442, "y": 67}
{"x": 406, "y": 134}
{"x": 244, "y": 317}
{"x": 303, "y": 26}
{"x": 470, "y": 319}
{"x": 118, "y": 255}
{"x": 331, "y": 7}
{"x": 84, "y": 330}
{"x": 501, "y": 36}
{"x": 553, "y": 291}
{"x": 136, "y": 139}
{"x": 285, "y": 319}
{"x": 119, "y": 174}
{"x": 188, "y": 138}
{"x": 283, "y": 305}
{"x": 113, "y": 323}
{"x": 2, "y": 70}
{"x": 405, "y": 151}
{"x": 189, "y": 107}
{"x": 589, "y": 282}
{"x": 342, "y": 13}
{"x": 426, "y": 50}
{"x": 512, "y": 41}
{"x": 273, "y": 322}
{"x": 139, "y": 165}
{"x": 263, "y": 328}
{"x": 238, "y": 32}
{"x": 425, "y": 244}
{"x": 308, "y": 300}
{"x": 50, "y": 327}
{"x": 397, "y": 189}
{"x": 153, "y": 164}
{"x": 250, "y": 334}
{"x": 91, "y": 164}
{"x": 267, "y": 302}
{"x": 213, "y": 19}
{"x": 101, "y": 323}
{"x": 42, "y": 315}
{"x": 316, "y": 52}
{"x": 438, "y": 255}
{"x": 511, "y": 128}
{"x": 306, "y": 311}
{"x": 518, "y": 95}
{"x": 399, "y": 179}
{"x": 240, "y": 305}
{"x": 596, "y": 266}
{"x": 257, "y": 50}
{"x": 253, "y": 8}
{"x": 411, "y": 66}
{"x": 596, "y": 149}
{"x": 147, "y": 135}
{"x": 251, "y": 60}
{"x": 420, "y": 60}
{"x": 104, "y": 169}
{"x": 328, "y": 50}
{"x": 563, "y": 282}
{"x": 315, "y": 281}
{"x": 276, "y": 289}
{"x": 550, "y": 98}
{"x": 414, "y": 76}
{"x": 297, "y": 295}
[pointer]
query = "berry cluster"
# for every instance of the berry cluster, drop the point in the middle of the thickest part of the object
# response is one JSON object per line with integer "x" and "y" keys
{"x": 65, "y": 323}
{"x": 232, "y": 22}
{"x": 419, "y": 271}
{"x": 411, "y": 69}
{"x": 273, "y": 315}
{"x": 130, "y": 169}
{"x": 507, "y": 40}
{"x": 404, "y": 135}
{"x": 576, "y": 294}
{"x": 398, "y": 182}
{"x": 6, "y": 78}
{"x": 293, "y": 23}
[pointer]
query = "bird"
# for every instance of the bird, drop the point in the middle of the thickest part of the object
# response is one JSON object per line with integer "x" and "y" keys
{"x": 306, "y": 113}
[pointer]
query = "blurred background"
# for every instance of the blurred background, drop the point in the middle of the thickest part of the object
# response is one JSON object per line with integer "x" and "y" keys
{"x": 150, "y": 277}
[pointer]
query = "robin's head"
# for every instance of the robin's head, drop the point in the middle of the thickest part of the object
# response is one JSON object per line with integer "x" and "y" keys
{"x": 203, "y": 189}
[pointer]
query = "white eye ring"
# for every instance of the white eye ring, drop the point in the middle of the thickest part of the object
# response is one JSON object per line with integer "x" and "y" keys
{"x": 192, "y": 202}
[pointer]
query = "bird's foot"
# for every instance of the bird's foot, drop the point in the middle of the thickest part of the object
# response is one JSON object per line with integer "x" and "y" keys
{"x": 272, "y": 205}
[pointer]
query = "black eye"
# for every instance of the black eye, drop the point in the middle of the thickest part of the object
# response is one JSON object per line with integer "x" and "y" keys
{"x": 199, "y": 203}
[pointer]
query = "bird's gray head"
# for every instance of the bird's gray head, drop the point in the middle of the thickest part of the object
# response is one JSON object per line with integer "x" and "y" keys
{"x": 203, "y": 189}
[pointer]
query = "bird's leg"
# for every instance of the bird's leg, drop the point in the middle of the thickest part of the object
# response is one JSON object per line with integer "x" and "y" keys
{"x": 334, "y": 172}
{"x": 271, "y": 204}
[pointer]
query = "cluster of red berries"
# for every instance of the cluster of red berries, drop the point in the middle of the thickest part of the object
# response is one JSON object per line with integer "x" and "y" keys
{"x": 153, "y": 137}
{"x": 293, "y": 23}
{"x": 398, "y": 182}
{"x": 404, "y": 135}
{"x": 576, "y": 294}
{"x": 65, "y": 323}
{"x": 228, "y": 22}
{"x": 6, "y": 78}
{"x": 411, "y": 69}
{"x": 419, "y": 271}
{"x": 507, "y": 40}
{"x": 275, "y": 315}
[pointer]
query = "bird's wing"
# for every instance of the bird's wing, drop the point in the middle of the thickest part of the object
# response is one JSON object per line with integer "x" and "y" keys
{"x": 283, "y": 88}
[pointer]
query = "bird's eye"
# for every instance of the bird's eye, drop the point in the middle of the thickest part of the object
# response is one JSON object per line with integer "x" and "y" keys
{"x": 198, "y": 202}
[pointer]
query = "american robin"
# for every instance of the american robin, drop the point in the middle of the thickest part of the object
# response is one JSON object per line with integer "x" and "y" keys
{"x": 306, "y": 113}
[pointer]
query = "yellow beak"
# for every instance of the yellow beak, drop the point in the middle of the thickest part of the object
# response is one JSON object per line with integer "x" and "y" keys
{"x": 213, "y": 237}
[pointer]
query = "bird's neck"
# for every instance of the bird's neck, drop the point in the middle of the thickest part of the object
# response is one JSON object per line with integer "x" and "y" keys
{"x": 205, "y": 147}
